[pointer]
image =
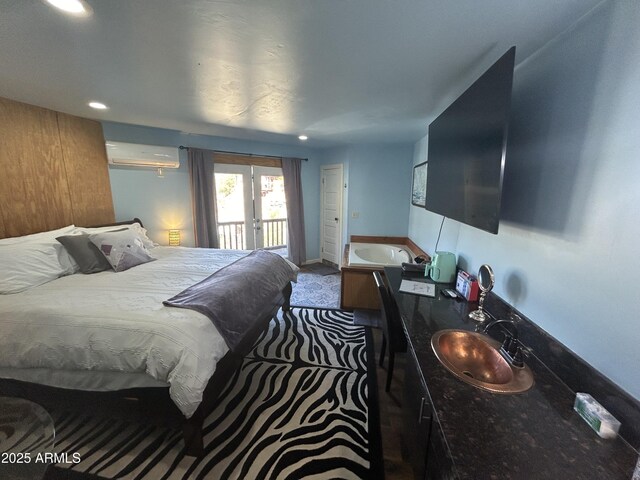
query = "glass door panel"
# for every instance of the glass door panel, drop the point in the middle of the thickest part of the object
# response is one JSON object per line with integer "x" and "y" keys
{"x": 250, "y": 214}
{"x": 234, "y": 206}
{"x": 270, "y": 207}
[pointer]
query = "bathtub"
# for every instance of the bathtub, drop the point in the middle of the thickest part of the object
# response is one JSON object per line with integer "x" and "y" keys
{"x": 377, "y": 255}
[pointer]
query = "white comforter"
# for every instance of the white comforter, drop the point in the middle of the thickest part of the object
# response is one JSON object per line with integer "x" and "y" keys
{"x": 115, "y": 322}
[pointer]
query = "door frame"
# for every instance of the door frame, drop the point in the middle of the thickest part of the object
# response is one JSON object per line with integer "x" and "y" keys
{"x": 339, "y": 244}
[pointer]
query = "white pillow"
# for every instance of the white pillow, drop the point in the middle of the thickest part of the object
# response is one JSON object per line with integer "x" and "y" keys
{"x": 142, "y": 233}
{"x": 67, "y": 262}
{"x": 134, "y": 227}
{"x": 37, "y": 237}
{"x": 29, "y": 264}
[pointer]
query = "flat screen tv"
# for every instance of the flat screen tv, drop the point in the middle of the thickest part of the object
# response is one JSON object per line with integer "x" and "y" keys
{"x": 467, "y": 149}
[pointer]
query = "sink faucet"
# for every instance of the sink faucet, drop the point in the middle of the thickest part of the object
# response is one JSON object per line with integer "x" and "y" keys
{"x": 510, "y": 348}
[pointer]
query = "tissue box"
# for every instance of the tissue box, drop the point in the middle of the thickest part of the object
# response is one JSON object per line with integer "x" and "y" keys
{"x": 602, "y": 422}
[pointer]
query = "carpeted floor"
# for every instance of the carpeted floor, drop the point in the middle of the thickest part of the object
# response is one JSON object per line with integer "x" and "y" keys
{"x": 303, "y": 405}
{"x": 316, "y": 290}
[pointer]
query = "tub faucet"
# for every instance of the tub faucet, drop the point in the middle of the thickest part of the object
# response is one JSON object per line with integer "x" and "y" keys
{"x": 510, "y": 349}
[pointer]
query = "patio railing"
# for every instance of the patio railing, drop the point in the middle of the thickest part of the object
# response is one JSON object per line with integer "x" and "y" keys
{"x": 231, "y": 235}
{"x": 274, "y": 232}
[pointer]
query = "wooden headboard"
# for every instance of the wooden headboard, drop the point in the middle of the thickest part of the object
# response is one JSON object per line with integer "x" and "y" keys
{"x": 53, "y": 171}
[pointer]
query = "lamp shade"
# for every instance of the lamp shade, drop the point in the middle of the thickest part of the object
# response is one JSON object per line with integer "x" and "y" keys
{"x": 174, "y": 238}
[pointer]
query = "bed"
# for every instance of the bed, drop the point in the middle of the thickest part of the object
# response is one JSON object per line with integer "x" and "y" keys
{"x": 108, "y": 337}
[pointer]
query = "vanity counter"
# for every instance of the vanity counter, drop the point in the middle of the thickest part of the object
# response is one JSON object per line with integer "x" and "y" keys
{"x": 535, "y": 434}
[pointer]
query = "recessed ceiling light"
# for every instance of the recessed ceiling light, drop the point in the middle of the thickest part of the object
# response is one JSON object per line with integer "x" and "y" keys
{"x": 78, "y": 8}
{"x": 302, "y": 137}
{"x": 98, "y": 105}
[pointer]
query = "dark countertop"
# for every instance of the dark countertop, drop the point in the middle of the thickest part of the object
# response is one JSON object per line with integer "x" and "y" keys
{"x": 535, "y": 434}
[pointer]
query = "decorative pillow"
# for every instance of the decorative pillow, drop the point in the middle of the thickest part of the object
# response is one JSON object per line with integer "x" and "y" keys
{"x": 134, "y": 227}
{"x": 122, "y": 250}
{"x": 66, "y": 261}
{"x": 85, "y": 253}
{"x": 26, "y": 265}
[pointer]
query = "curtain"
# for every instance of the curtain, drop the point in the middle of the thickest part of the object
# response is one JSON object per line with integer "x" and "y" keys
{"x": 203, "y": 198}
{"x": 291, "y": 171}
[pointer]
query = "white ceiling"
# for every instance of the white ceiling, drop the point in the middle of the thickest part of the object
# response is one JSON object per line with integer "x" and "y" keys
{"x": 340, "y": 71}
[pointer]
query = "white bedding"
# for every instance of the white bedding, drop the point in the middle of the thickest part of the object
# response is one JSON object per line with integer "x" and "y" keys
{"x": 115, "y": 322}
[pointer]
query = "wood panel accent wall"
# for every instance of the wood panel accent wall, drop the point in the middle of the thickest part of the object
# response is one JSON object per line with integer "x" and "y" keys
{"x": 86, "y": 164}
{"x": 54, "y": 170}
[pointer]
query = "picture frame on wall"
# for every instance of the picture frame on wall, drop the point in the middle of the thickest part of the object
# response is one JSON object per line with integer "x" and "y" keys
{"x": 419, "y": 185}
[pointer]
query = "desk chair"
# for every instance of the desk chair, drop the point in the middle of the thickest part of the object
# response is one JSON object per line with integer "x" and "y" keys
{"x": 392, "y": 332}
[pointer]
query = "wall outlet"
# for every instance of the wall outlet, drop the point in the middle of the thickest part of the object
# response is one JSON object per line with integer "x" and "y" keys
{"x": 355, "y": 214}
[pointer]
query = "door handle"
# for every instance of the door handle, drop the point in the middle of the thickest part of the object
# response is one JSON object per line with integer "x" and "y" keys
{"x": 336, "y": 219}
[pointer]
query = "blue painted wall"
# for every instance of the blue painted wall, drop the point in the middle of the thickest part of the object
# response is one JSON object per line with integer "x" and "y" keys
{"x": 164, "y": 203}
{"x": 568, "y": 243}
{"x": 379, "y": 189}
{"x": 424, "y": 226}
{"x": 378, "y": 179}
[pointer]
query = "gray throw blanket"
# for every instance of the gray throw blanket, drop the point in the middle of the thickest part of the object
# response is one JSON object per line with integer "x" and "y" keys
{"x": 234, "y": 296}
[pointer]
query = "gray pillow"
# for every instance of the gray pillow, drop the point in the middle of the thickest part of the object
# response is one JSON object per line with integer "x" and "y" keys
{"x": 85, "y": 253}
{"x": 122, "y": 249}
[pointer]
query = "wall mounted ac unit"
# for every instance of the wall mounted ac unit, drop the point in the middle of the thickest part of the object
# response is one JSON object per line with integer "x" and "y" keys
{"x": 135, "y": 155}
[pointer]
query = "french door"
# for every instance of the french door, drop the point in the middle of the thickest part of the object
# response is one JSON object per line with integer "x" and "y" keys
{"x": 251, "y": 207}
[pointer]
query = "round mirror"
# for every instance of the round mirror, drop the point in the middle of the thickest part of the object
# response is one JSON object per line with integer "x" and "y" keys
{"x": 486, "y": 280}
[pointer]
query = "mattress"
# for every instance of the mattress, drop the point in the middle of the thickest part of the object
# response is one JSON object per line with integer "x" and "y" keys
{"x": 111, "y": 323}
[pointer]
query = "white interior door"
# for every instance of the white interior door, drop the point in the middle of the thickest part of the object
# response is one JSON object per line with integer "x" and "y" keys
{"x": 331, "y": 213}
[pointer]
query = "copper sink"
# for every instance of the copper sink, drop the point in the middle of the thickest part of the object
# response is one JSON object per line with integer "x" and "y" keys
{"x": 475, "y": 359}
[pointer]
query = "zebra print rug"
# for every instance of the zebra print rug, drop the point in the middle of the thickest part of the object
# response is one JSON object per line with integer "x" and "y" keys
{"x": 303, "y": 405}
